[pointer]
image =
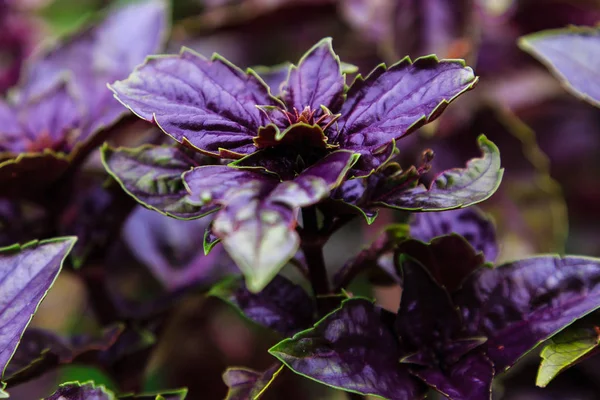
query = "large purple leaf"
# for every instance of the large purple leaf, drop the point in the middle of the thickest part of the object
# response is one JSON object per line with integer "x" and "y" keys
{"x": 449, "y": 259}
{"x": 454, "y": 188}
{"x": 389, "y": 104}
{"x": 245, "y": 384}
{"x": 520, "y": 304}
{"x": 281, "y": 305}
{"x": 112, "y": 49}
{"x": 354, "y": 349}
{"x": 210, "y": 104}
{"x": 26, "y": 274}
{"x": 152, "y": 175}
{"x": 316, "y": 81}
{"x": 572, "y": 55}
{"x": 258, "y": 219}
{"x": 469, "y": 379}
{"x": 470, "y": 223}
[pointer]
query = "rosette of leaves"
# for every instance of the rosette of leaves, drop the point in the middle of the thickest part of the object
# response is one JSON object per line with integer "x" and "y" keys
{"x": 61, "y": 104}
{"x": 290, "y": 146}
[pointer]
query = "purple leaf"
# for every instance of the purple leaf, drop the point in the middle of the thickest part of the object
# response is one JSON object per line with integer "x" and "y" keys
{"x": 245, "y": 384}
{"x": 449, "y": 259}
{"x": 389, "y": 104}
{"x": 316, "y": 81}
{"x": 41, "y": 350}
{"x": 354, "y": 349}
{"x": 274, "y": 76}
{"x": 281, "y": 305}
{"x": 426, "y": 316}
{"x": 209, "y": 104}
{"x": 258, "y": 219}
{"x": 81, "y": 391}
{"x": 470, "y": 223}
{"x": 170, "y": 248}
{"x": 520, "y": 304}
{"x": 152, "y": 175}
{"x": 469, "y": 379}
{"x": 454, "y": 188}
{"x": 572, "y": 55}
{"x": 26, "y": 274}
{"x": 113, "y": 48}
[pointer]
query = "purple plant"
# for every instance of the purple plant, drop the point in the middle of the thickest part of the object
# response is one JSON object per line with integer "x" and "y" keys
{"x": 268, "y": 170}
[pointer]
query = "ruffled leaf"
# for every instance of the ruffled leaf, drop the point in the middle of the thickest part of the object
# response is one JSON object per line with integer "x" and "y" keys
{"x": 316, "y": 81}
{"x": 520, "y": 304}
{"x": 245, "y": 384}
{"x": 455, "y": 188}
{"x": 470, "y": 223}
{"x": 26, "y": 274}
{"x": 353, "y": 348}
{"x": 152, "y": 176}
{"x": 281, "y": 305}
{"x": 572, "y": 54}
{"x": 389, "y": 104}
{"x": 209, "y": 104}
{"x": 81, "y": 391}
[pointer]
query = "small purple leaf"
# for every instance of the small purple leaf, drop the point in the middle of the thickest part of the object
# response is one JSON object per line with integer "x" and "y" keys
{"x": 152, "y": 176}
{"x": 520, "y": 304}
{"x": 26, "y": 274}
{"x": 470, "y": 223}
{"x": 274, "y": 76}
{"x": 210, "y": 104}
{"x": 316, "y": 81}
{"x": 281, "y": 305}
{"x": 455, "y": 188}
{"x": 353, "y": 348}
{"x": 449, "y": 259}
{"x": 426, "y": 315}
{"x": 246, "y": 384}
{"x": 572, "y": 55}
{"x": 389, "y": 104}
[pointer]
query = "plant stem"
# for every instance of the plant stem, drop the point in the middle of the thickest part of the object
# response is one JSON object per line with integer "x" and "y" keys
{"x": 312, "y": 247}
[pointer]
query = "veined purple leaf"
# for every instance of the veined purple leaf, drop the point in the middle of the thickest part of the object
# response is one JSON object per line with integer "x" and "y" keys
{"x": 469, "y": 379}
{"x": 353, "y": 348}
{"x": 389, "y": 104}
{"x": 26, "y": 274}
{"x": 282, "y": 305}
{"x": 572, "y": 55}
{"x": 113, "y": 48}
{"x": 576, "y": 343}
{"x": 454, "y": 188}
{"x": 449, "y": 258}
{"x": 153, "y": 176}
{"x": 316, "y": 81}
{"x": 257, "y": 222}
{"x": 470, "y": 223}
{"x": 209, "y": 104}
{"x": 520, "y": 304}
{"x": 274, "y": 76}
{"x": 81, "y": 391}
{"x": 244, "y": 383}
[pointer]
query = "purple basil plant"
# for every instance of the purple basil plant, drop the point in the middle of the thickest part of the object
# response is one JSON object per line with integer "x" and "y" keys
{"x": 259, "y": 173}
